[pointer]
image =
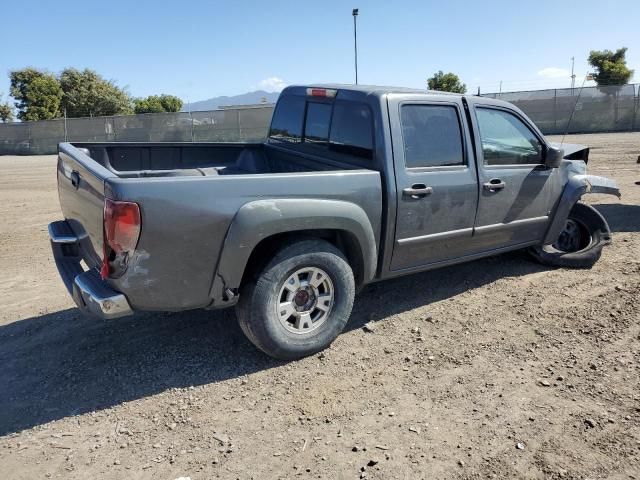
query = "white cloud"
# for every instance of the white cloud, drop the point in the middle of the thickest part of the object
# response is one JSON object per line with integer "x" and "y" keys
{"x": 554, "y": 72}
{"x": 272, "y": 84}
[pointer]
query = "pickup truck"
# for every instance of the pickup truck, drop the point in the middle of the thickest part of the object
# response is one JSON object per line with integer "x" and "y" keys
{"x": 353, "y": 185}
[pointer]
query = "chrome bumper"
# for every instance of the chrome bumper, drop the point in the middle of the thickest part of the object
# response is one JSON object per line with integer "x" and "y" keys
{"x": 91, "y": 294}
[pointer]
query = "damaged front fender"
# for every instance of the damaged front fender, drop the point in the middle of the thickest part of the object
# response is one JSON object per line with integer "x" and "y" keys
{"x": 578, "y": 184}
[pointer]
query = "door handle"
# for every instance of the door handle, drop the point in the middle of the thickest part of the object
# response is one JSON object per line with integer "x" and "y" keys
{"x": 75, "y": 179}
{"x": 417, "y": 190}
{"x": 494, "y": 184}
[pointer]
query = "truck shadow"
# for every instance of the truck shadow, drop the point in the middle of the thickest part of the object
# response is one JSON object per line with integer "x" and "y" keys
{"x": 63, "y": 364}
{"x": 620, "y": 217}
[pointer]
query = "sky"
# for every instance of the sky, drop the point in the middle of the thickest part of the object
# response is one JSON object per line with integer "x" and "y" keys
{"x": 202, "y": 49}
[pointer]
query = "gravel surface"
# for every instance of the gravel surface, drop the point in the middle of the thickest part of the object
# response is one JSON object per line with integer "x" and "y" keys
{"x": 498, "y": 368}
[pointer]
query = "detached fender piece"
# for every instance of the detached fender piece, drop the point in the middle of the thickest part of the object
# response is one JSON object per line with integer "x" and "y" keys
{"x": 261, "y": 219}
{"x": 577, "y": 186}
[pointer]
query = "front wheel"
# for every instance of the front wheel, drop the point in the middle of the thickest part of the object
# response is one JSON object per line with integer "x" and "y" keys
{"x": 300, "y": 302}
{"x": 580, "y": 243}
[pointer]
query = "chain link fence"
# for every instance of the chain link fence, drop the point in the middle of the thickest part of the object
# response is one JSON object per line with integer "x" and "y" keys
{"x": 613, "y": 108}
{"x": 228, "y": 125}
{"x": 556, "y": 111}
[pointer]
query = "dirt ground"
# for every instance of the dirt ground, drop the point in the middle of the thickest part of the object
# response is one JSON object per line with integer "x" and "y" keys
{"x": 498, "y": 368}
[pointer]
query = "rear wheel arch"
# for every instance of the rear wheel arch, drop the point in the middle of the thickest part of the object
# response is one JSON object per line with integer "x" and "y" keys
{"x": 343, "y": 240}
{"x": 262, "y": 227}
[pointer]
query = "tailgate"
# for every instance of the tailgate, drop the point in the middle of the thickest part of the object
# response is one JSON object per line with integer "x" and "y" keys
{"x": 81, "y": 194}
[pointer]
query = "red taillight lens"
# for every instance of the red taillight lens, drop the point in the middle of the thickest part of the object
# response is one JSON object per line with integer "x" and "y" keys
{"x": 121, "y": 225}
{"x": 121, "y": 232}
{"x": 321, "y": 92}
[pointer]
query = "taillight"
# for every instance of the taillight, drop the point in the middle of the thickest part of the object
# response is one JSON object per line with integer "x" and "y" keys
{"x": 121, "y": 234}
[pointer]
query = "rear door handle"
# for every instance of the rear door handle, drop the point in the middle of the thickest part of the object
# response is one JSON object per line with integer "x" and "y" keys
{"x": 494, "y": 184}
{"x": 417, "y": 190}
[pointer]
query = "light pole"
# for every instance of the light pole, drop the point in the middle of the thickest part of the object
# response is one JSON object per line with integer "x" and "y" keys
{"x": 355, "y": 40}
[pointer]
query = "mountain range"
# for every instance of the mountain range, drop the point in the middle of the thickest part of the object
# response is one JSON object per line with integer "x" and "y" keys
{"x": 250, "y": 98}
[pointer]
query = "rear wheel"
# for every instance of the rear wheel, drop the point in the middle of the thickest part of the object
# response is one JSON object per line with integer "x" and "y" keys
{"x": 580, "y": 243}
{"x": 300, "y": 302}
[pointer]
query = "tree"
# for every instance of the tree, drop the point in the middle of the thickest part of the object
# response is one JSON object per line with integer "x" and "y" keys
{"x": 446, "y": 82}
{"x": 171, "y": 103}
{"x": 43, "y": 95}
{"x": 40, "y": 95}
{"x": 151, "y": 104}
{"x": 6, "y": 112}
{"x": 157, "y": 104}
{"x": 87, "y": 94}
{"x": 37, "y": 94}
{"x": 611, "y": 67}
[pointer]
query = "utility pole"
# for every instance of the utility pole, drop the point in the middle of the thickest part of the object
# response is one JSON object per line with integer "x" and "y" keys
{"x": 190, "y": 117}
{"x": 573, "y": 75}
{"x": 500, "y": 87}
{"x": 355, "y": 40}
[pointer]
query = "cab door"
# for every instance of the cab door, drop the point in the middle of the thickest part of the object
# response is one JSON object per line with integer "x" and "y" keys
{"x": 517, "y": 190}
{"x": 436, "y": 184}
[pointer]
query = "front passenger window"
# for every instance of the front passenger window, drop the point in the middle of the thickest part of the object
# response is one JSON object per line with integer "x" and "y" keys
{"x": 506, "y": 140}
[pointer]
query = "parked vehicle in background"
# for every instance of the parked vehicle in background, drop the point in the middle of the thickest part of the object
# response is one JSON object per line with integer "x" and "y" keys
{"x": 355, "y": 184}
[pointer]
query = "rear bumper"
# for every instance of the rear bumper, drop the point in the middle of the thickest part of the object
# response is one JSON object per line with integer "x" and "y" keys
{"x": 91, "y": 294}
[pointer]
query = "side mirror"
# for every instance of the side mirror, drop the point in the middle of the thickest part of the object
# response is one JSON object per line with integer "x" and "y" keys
{"x": 553, "y": 157}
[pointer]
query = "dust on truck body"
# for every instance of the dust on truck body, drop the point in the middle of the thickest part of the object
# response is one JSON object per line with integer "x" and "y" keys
{"x": 354, "y": 184}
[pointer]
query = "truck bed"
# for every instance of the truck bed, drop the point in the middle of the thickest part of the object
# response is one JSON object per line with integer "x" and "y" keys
{"x": 134, "y": 160}
{"x": 189, "y": 195}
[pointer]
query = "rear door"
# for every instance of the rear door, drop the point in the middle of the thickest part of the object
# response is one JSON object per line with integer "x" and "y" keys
{"x": 516, "y": 189}
{"x": 436, "y": 183}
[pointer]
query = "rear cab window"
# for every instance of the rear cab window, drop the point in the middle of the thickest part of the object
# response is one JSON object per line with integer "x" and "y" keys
{"x": 341, "y": 129}
{"x": 316, "y": 124}
{"x": 286, "y": 125}
{"x": 352, "y": 129}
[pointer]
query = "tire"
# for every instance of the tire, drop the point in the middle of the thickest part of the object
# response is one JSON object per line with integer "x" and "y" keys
{"x": 585, "y": 235}
{"x": 274, "y": 316}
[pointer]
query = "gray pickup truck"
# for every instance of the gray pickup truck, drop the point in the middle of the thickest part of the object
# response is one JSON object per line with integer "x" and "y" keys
{"x": 354, "y": 184}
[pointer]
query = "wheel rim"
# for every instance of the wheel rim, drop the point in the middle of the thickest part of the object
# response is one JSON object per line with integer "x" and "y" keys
{"x": 305, "y": 300}
{"x": 574, "y": 237}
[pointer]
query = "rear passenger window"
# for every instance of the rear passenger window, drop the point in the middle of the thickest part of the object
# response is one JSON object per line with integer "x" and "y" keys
{"x": 352, "y": 129}
{"x": 432, "y": 136}
{"x": 287, "y": 119}
{"x": 316, "y": 126}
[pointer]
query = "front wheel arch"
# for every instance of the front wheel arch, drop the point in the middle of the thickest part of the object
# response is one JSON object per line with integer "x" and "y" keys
{"x": 600, "y": 236}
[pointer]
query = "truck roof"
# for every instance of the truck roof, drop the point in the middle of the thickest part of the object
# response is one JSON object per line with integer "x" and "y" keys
{"x": 368, "y": 89}
{"x": 355, "y": 91}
